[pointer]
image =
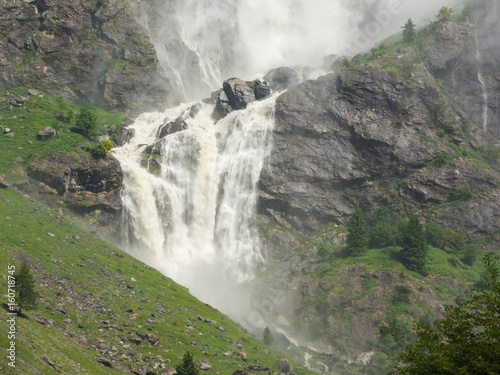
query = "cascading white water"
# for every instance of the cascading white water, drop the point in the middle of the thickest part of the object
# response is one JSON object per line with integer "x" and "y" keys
{"x": 483, "y": 85}
{"x": 193, "y": 218}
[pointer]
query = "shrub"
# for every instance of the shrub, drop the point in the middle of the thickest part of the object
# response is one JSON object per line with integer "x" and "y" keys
{"x": 102, "y": 150}
{"x": 86, "y": 123}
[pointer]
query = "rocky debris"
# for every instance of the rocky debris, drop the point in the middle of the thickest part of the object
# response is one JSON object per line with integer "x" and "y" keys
{"x": 152, "y": 339}
{"x": 205, "y": 365}
{"x": 282, "y": 78}
{"x": 104, "y": 361}
{"x": 79, "y": 323}
{"x": 51, "y": 364}
{"x": 285, "y": 367}
{"x": 172, "y": 127}
{"x": 88, "y": 186}
{"x": 123, "y": 136}
{"x": 3, "y": 185}
{"x": 237, "y": 346}
{"x": 207, "y": 320}
{"x": 237, "y": 94}
{"x": 46, "y": 134}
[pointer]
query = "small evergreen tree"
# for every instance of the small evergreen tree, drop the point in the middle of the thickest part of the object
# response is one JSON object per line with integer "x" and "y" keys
{"x": 414, "y": 250}
{"x": 357, "y": 236}
{"x": 27, "y": 298}
{"x": 444, "y": 13}
{"x": 102, "y": 149}
{"x": 86, "y": 123}
{"x": 409, "y": 31}
{"x": 187, "y": 366}
{"x": 267, "y": 337}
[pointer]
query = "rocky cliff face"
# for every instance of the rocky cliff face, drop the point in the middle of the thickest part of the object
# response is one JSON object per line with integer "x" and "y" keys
{"x": 81, "y": 50}
{"x": 379, "y": 134}
{"x": 86, "y": 185}
{"x": 404, "y": 129}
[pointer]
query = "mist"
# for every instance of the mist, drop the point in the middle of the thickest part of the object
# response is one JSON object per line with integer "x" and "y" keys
{"x": 176, "y": 227}
{"x": 200, "y": 43}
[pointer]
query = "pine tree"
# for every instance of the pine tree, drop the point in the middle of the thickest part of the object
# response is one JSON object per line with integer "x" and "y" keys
{"x": 414, "y": 250}
{"x": 409, "y": 31}
{"x": 187, "y": 367}
{"x": 267, "y": 336}
{"x": 357, "y": 237}
{"x": 25, "y": 288}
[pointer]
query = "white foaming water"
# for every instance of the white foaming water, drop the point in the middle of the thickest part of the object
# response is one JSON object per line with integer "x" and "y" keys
{"x": 483, "y": 85}
{"x": 193, "y": 218}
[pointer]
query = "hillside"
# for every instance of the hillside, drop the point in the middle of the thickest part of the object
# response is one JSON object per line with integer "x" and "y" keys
{"x": 410, "y": 128}
{"x": 103, "y": 312}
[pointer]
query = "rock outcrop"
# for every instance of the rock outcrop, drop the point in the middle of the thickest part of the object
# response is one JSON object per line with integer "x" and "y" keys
{"x": 237, "y": 94}
{"x": 81, "y": 50}
{"x": 86, "y": 185}
{"x": 375, "y": 135}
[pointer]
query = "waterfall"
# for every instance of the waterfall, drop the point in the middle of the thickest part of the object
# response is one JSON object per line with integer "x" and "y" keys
{"x": 483, "y": 85}
{"x": 190, "y": 197}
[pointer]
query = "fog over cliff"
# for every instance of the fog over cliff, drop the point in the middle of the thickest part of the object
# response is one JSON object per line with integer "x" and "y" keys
{"x": 201, "y": 43}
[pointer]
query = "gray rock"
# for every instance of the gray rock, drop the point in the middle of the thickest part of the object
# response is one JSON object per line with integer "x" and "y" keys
{"x": 172, "y": 127}
{"x": 282, "y": 78}
{"x": 239, "y": 93}
{"x": 46, "y": 134}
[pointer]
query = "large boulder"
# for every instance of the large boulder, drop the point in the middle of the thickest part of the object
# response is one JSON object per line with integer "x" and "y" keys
{"x": 46, "y": 133}
{"x": 86, "y": 185}
{"x": 282, "y": 78}
{"x": 239, "y": 93}
{"x": 172, "y": 127}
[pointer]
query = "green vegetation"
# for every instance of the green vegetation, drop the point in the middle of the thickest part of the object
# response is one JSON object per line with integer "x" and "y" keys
{"x": 357, "y": 236}
{"x": 444, "y": 14}
{"x": 465, "y": 341}
{"x": 86, "y": 123}
{"x": 187, "y": 366}
{"x": 102, "y": 150}
{"x": 409, "y": 31}
{"x": 27, "y": 297}
{"x": 37, "y": 113}
{"x": 414, "y": 249}
{"x": 118, "y": 300}
{"x": 267, "y": 337}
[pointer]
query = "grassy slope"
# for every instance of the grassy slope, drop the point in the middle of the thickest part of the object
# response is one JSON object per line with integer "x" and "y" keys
{"x": 93, "y": 282}
{"x": 33, "y": 116}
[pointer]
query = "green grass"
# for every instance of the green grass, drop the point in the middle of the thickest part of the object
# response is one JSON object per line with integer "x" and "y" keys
{"x": 36, "y": 114}
{"x": 93, "y": 281}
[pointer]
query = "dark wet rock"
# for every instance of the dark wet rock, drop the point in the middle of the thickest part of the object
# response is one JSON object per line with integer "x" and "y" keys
{"x": 239, "y": 93}
{"x": 88, "y": 186}
{"x": 172, "y": 127}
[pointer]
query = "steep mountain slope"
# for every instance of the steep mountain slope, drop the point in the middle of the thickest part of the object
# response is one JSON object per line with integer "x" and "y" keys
{"x": 103, "y": 312}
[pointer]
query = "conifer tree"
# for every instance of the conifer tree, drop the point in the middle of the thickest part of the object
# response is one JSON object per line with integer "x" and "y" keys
{"x": 25, "y": 288}
{"x": 414, "y": 250}
{"x": 357, "y": 237}
{"x": 187, "y": 366}
{"x": 409, "y": 31}
{"x": 267, "y": 336}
